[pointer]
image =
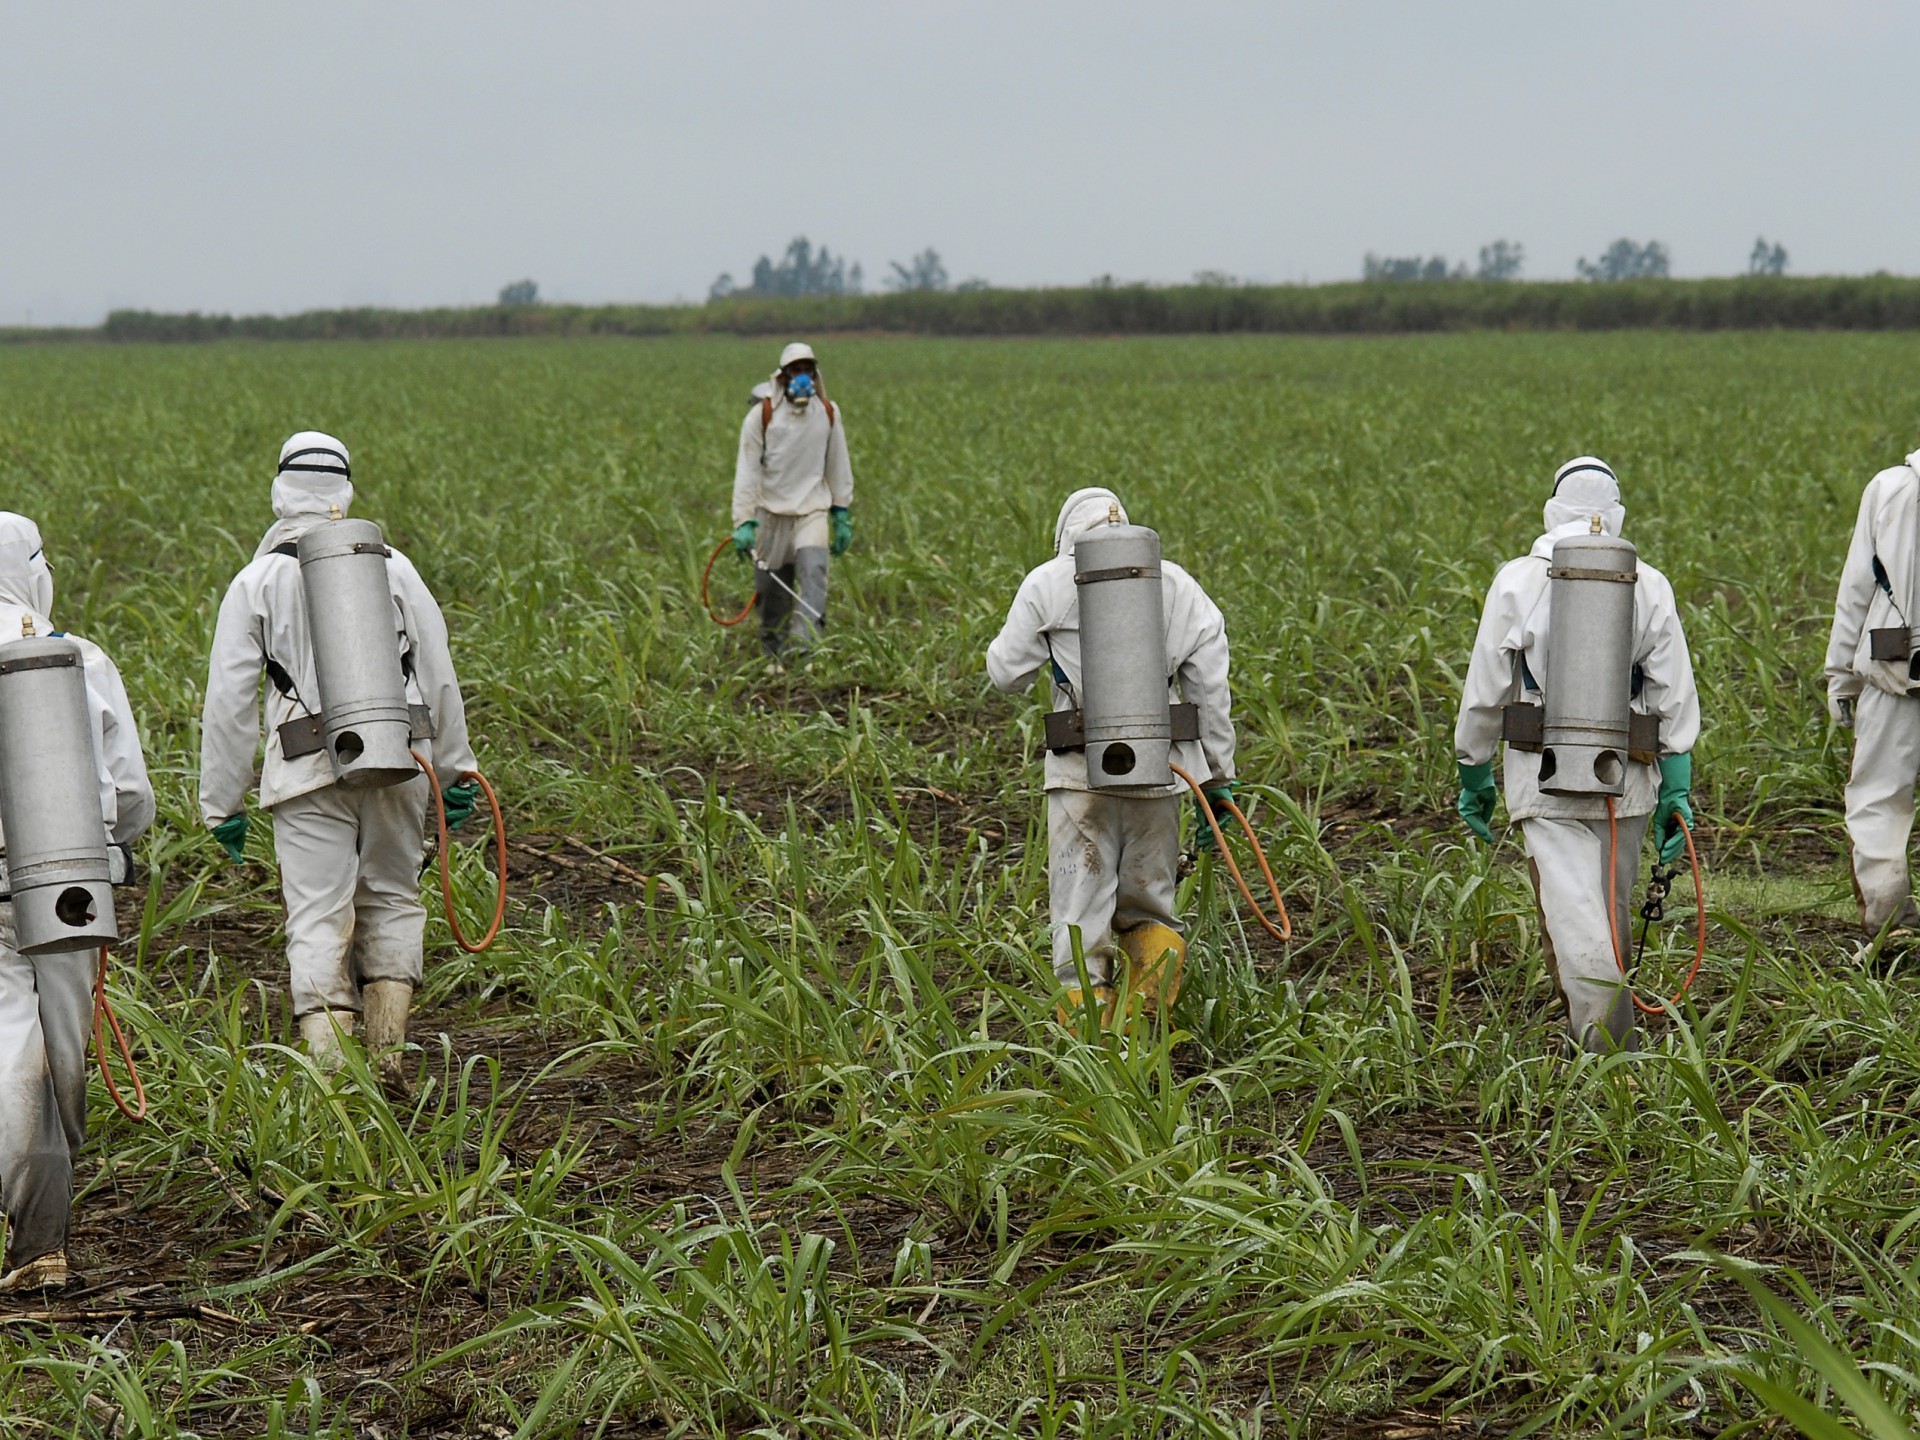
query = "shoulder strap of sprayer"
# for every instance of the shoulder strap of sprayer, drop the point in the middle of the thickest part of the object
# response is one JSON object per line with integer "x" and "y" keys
{"x": 766, "y": 420}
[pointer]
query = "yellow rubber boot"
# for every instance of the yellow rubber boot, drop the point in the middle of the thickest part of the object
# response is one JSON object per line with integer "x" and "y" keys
{"x": 1156, "y": 956}
{"x": 1070, "y": 1009}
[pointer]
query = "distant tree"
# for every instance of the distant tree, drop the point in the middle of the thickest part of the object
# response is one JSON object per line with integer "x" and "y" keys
{"x": 1624, "y": 260}
{"x": 1767, "y": 259}
{"x": 520, "y": 292}
{"x": 1216, "y": 279}
{"x": 973, "y": 284}
{"x": 924, "y": 272}
{"x": 801, "y": 271}
{"x": 1501, "y": 260}
{"x": 1409, "y": 267}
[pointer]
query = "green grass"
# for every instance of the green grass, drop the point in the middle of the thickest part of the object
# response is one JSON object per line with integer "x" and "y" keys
{"x": 785, "y": 1140}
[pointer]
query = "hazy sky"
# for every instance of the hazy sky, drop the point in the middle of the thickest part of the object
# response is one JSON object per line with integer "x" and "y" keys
{"x": 265, "y": 156}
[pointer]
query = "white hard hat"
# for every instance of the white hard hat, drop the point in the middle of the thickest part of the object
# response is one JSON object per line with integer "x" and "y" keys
{"x": 799, "y": 350}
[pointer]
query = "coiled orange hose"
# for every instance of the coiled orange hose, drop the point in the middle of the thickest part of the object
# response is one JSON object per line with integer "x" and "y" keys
{"x": 707, "y": 574}
{"x": 103, "y": 1018}
{"x": 1647, "y": 1007}
{"x": 472, "y": 947}
{"x": 1282, "y": 931}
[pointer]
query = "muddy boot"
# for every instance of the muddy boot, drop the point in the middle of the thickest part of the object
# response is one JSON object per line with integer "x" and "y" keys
{"x": 323, "y": 1031}
{"x": 387, "y": 1004}
{"x": 1156, "y": 957}
{"x": 47, "y": 1272}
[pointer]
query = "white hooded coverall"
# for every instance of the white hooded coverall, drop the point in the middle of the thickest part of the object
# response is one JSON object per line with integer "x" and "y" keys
{"x": 1567, "y": 837}
{"x": 789, "y": 473}
{"x": 1112, "y": 859}
{"x": 46, "y": 1001}
{"x": 1878, "y": 587}
{"x": 350, "y": 860}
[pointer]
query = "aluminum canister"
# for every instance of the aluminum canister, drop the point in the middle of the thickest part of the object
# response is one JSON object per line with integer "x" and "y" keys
{"x": 1123, "y": 658}
{"x": 355, "y": 632}
{"x": 1588, "y": 687}
{"x": 56, "y": 838}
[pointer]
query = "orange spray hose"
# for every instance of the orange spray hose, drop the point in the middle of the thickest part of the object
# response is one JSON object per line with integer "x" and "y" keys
{"x": 103, "y": 1018}
{"x": 1613, "y": 911}
{"x": 1282, "y": 931}
{"x": 707, "y": 574}
{"x": 446, "y": 879}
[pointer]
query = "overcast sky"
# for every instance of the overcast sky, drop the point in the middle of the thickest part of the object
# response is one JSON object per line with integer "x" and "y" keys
{"x": 265, "y": 156}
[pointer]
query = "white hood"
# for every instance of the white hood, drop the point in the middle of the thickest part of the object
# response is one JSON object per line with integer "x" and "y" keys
{"x": 1582, "y": 488}
{"x": 312, "y": 485}
{"x": 1084, "y": 510}
{"x": 26, "y": 580}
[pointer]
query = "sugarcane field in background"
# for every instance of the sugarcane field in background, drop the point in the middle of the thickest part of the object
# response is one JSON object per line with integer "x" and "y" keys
{"x": 757, "y": 1118}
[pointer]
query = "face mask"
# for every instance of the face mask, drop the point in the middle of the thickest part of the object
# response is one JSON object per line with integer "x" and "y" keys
{"x": 800, "y": 388}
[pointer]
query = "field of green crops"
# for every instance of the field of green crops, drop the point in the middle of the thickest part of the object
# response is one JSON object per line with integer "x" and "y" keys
{"x": 757, "y": 1121}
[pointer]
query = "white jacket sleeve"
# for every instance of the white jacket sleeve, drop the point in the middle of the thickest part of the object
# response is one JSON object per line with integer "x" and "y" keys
{"x": 839, "y": 462}
{"x": 433, "y": 672}
{"x": 230, "y": 718}
{"x": 126, "y": 765}
{"x": 747, "y": 470}
{"x": 1851, "y": 604}
{"x": 1203, "y": 680}
{"x": 1666, "y": 686}
{"x": 1476, "y": 734}
{"x": 1020, "y": 649}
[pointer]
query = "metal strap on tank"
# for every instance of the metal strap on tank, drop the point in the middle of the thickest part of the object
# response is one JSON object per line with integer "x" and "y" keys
{"x": 370, "y": 547}
{"x": 1577, "y": 572}
{"x": 1118, "y": 572}
{"x": 39, "y": 662}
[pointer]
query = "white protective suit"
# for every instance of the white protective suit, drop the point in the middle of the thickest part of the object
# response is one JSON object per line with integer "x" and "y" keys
{"x": 350, "y": 860}
{"x": 1567, "y": 837}
{"x": 1879, "y": 698}
{"x": 46, "y": 1001}
{"x": 1112, "y": 858}
{"x": 792, "y": 468}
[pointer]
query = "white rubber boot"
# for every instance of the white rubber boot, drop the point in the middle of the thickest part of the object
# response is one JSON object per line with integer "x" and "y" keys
{"x": 387, "y": 1004}
{"x": 48, "y": 1272}
{"x": 323, "y": 1031}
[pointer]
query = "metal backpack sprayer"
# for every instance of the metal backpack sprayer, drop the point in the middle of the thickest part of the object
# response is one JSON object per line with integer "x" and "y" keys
{"x": 366, "y": 725}
{"x": 1126, "y": 724}
{"x": 60, "y": 867}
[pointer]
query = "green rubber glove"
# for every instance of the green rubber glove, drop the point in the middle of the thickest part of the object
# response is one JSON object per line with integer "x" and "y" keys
{"x": 459, "y": 800}
{"x": 1216, "y": 795}
{"x": 1477, "y": 798}
{"x": 1675, "y": 804}
{"x": 743, "y": 537}
{"x": 842, "y": 529}
{"x": 232, "y": 835}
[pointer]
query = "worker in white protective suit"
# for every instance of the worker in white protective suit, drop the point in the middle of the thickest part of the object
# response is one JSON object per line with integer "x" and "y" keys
{"x": 350, "y": 859}
{"x": 1113, "y": 859}
{"x": 1568, "y": 838}
{"x": 46, "y": 1001}
{"x": 792, "y": 499}
{"x": 1879, "y": 700}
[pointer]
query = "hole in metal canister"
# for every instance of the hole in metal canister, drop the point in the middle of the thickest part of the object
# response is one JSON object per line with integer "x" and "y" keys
{"x": 1607, "y": 767}
{"x": 349, "y": 747}
{"x": 1548, "y": 764}
{"x": 1117, "y": 759}
{"x": 74, "y": 907}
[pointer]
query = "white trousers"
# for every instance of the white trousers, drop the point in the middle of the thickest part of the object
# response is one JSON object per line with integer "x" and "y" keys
{"x": 1886, "y": 760}
{"x": 46, "y": 1011}
{"x": 1568, "y": 862}
{"x": 350, "y": 874}
{"x": 1112, "y": 864}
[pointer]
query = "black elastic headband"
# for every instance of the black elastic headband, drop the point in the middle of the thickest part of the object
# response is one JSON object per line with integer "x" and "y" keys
{"x": 1596, "y": 466}
{"x": 344, "y": 470}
